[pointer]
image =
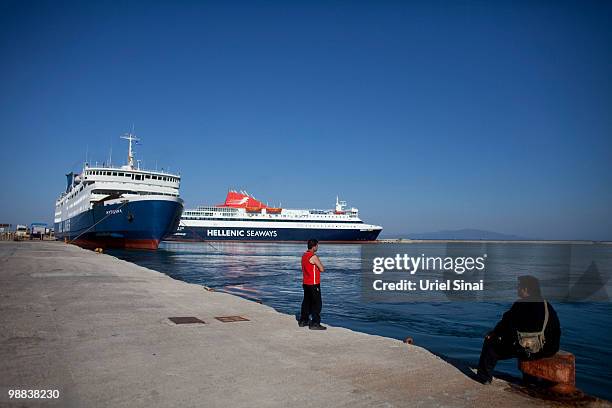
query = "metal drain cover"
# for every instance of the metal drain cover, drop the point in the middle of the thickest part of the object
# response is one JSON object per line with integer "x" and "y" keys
{"x": 229, "y": 319}
{"x": 186, "y": 320}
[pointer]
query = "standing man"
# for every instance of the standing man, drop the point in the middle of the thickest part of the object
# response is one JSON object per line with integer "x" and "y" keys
{"x": 311, "y": 272}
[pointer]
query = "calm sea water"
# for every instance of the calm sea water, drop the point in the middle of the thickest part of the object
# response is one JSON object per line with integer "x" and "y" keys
{"x": 454, "y": 330}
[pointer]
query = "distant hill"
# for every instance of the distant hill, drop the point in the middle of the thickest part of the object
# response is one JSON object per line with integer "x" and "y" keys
{"x": 467, "y": 234}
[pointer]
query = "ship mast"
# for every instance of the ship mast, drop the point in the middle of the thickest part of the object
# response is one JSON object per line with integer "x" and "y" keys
{"x": 130, "y": 138}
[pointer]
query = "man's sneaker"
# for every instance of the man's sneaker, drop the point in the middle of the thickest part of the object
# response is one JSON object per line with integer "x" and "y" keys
{"x": 483, "y": 378}
{"x": 302, "y": 323}
{"x": 317, "y": 326}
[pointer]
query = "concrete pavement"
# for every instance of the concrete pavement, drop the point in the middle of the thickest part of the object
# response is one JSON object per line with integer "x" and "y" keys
{"x": 96, "y": 328}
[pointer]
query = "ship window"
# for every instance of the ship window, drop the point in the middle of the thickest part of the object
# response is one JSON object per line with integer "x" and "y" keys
{"x": 128, "y": 175}
{"x": 147, "y": 177}
{"x": 114, "y": 173}
{"x": 138, "y": 177}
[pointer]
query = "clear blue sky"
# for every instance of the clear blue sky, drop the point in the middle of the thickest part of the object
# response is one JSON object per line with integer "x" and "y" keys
{"x": 425, "y": 115}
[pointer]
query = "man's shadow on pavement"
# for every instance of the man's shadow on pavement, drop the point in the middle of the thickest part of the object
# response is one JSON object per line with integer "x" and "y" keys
{"x": 470, "y": 372}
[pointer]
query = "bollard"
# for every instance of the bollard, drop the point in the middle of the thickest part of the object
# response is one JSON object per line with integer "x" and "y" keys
{"x": 409, "y": 340}
{"x": 559, "y": 369}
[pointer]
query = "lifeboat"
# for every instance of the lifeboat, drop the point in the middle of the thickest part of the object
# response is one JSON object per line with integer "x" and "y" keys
{"x": 271, "y": 210}
{"x": 339, "y": 212}
{"x": 253, "y": 209}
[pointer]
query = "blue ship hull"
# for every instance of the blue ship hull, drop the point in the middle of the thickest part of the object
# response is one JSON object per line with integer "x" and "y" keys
{"x": 138, "y": 224}
{"x": 270, "y": 234}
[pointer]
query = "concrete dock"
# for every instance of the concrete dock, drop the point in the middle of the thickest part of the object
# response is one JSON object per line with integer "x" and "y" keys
{"x": 96, "y": 328}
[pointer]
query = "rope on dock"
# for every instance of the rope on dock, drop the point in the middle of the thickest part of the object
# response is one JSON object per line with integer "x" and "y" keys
{"x": 202, "y": 238}
{"x": 81, "y": 234}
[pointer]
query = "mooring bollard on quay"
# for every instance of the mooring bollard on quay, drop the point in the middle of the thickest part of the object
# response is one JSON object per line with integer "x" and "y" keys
{"x": 559, "y": 369}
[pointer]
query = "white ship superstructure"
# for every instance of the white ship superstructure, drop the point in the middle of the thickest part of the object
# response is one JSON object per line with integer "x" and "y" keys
{"x": 243, "y": 218}
{"x": 118, "y": 206}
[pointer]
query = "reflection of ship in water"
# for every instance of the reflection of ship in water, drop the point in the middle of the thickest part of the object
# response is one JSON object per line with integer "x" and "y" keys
{"x": 243, "y": 291}
{"x": 243, "y": 218}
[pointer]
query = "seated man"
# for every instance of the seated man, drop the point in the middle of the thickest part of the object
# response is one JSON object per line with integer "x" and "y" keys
{"x": 516, "y": 333}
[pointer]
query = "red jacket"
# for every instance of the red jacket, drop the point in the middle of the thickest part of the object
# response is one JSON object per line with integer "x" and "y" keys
{"x": 310, "y": 272}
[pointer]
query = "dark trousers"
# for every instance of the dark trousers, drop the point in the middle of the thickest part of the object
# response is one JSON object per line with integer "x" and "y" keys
{"x": 493, "y": 350}
{"x": 311, "y": 305}
{"x": 502, "y": 348}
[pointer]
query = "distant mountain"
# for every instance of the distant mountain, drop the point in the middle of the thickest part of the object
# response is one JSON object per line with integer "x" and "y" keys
{"x": 467, "y": 234}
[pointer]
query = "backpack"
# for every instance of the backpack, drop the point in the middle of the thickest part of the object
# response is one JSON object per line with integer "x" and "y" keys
{"x": 533, "y": 342}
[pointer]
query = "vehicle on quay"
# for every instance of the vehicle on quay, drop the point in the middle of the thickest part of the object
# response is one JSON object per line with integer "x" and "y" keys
{"x": 21, "y": 232}
{"x": 38, "y": 230}
{"x": 243, "y": 218}
{"x": 118, "y": 207}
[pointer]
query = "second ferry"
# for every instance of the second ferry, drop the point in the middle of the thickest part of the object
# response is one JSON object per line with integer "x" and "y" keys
{"x": 120, "y": 207}
{"x": 243, "y": 218}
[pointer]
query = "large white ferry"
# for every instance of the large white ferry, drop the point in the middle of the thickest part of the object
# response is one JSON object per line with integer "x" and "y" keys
{"x": 123, "y": 207}
{"x": 244, "y": 218}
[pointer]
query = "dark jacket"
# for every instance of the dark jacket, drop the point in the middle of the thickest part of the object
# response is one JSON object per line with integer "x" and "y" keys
{"x": 527, "y": 315}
